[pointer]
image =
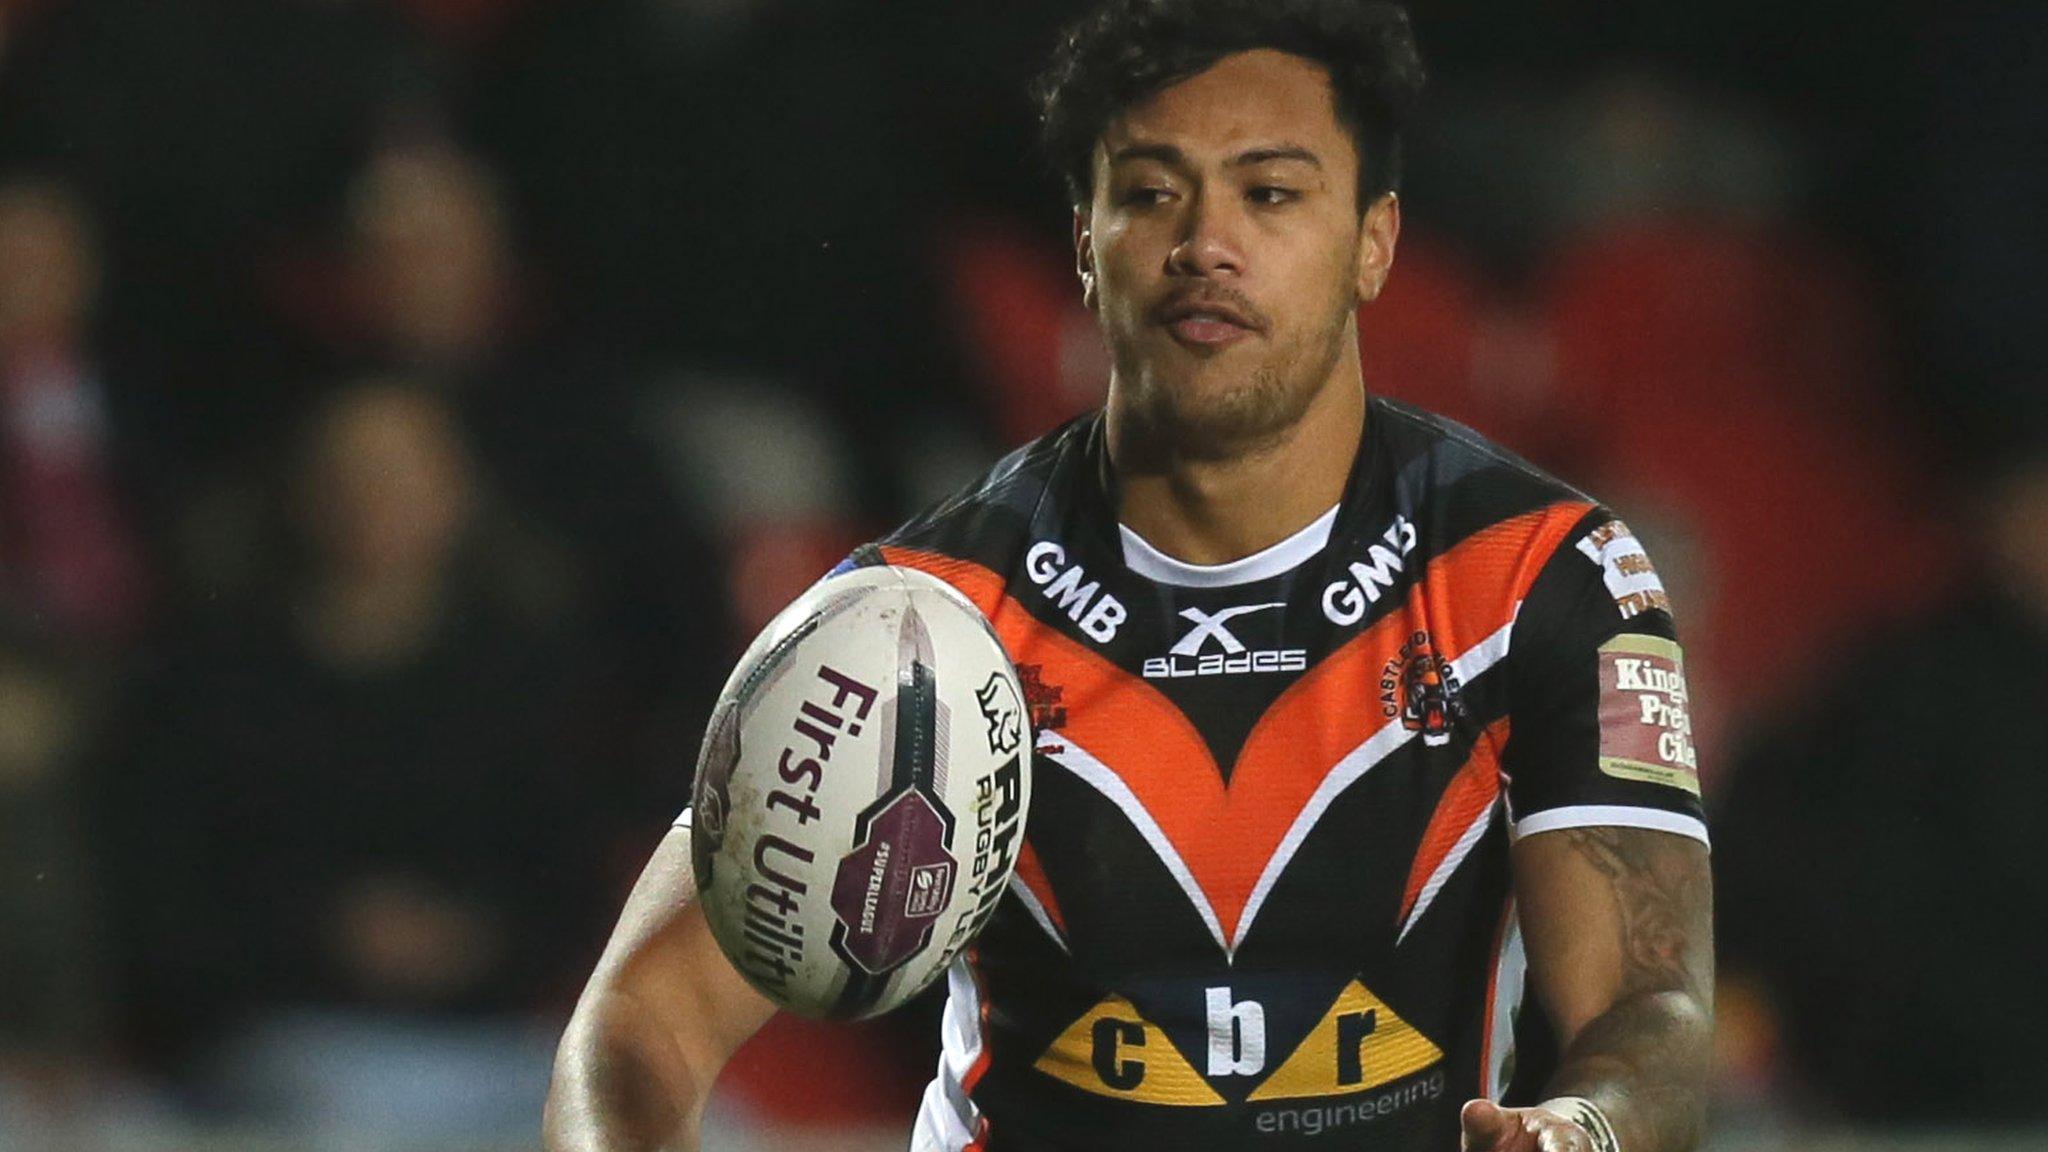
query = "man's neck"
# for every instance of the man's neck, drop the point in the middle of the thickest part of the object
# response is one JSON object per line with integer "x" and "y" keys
{"x": 1215, "y": 510}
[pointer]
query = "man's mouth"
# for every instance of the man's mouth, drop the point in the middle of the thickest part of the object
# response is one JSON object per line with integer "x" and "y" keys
{"x": 1207, "y": 325}
{"x": 1207, "y": 331}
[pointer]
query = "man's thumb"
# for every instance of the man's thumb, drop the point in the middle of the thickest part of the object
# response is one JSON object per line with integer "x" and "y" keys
{"x": 1484, "y": 1123}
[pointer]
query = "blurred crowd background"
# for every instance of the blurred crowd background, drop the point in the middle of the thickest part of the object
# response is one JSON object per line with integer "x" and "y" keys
{"x": 408, "y": 408}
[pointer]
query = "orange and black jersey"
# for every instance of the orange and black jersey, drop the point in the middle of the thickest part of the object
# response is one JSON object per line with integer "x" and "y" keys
{"x": 1264, "y": 897}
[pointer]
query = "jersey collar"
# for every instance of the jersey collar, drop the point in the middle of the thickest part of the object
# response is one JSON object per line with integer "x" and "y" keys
{"x": 1145, "y": 560}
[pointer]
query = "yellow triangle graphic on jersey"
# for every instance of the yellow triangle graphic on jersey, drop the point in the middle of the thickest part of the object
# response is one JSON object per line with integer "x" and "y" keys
{"x": 1114, "y": 1052}
{"x": 1359, "y": 1044}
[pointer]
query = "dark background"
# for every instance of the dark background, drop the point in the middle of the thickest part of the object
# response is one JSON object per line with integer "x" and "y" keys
{"x": 408, "y": 408}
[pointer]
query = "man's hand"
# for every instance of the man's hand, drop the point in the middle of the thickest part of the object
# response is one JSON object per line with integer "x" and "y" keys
{"x": 1488, "y": 1127}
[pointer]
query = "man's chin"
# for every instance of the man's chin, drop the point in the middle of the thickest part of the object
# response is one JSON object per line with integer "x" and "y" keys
{"x": 1207, "y": 412}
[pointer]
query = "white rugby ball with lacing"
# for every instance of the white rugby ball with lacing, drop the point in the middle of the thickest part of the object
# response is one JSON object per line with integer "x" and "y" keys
{"x": 861, "y": 793}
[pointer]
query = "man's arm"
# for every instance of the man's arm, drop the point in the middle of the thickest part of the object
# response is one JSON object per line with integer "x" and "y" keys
{"x": 1618, "y": 923}
{"x": 661, "y": 1015}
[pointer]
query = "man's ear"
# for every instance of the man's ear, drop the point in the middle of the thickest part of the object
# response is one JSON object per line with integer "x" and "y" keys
{"x": 1084, "y": 257}
{"x": 1378, "y": 233}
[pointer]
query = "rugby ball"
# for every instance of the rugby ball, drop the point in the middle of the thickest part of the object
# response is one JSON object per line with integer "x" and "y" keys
{"x": 861, "y": 793}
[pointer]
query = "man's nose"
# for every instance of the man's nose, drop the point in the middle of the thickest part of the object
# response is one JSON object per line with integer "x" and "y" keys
{"x": 1208, "y": 242}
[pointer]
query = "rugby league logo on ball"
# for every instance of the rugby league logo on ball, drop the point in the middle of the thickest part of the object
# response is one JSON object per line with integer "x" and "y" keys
{"x": 891, "y": 888}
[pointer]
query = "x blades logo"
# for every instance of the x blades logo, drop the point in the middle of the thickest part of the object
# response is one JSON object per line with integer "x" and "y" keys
{"x": 1208, "y": 627}
{"x": 1187, "y": 657}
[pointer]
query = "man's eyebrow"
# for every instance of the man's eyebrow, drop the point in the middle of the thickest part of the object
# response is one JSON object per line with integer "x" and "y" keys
{"x": 1164, "y": 153}
{"x": 1276, "y": 152}
{"x": 1170, "y": 155}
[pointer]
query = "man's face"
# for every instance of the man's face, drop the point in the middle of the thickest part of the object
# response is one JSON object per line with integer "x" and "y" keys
{"x": 1223, "y": 251}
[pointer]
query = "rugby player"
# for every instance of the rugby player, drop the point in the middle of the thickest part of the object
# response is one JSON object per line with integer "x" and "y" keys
{"x": 1352, "y": 727}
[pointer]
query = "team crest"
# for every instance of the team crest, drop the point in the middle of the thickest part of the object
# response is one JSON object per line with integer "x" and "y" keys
{"x": 1420, "y": 689}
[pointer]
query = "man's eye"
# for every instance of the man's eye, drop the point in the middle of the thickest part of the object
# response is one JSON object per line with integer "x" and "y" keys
{"x": 1146, "y": 197}
{"x": 1271, "y": 194}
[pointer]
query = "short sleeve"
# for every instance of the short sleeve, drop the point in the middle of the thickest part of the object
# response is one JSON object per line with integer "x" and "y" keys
{"x": 1600, "y": 732}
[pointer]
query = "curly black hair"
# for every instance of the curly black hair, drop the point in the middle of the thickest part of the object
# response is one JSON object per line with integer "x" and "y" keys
{"x": 1129, "y": 49}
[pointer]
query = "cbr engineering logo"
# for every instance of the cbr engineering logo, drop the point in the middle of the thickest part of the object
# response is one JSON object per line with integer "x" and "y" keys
{"x": 1186, "y": 658}
{"x": 1358, "y": 1045}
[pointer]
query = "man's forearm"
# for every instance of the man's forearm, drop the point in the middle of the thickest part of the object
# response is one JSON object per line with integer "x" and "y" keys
{"x": 1646, "y": 1061}
{"x": 620, "y": 1085}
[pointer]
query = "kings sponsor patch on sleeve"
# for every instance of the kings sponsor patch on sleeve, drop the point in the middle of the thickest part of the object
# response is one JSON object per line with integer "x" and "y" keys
{"x": 1645, "y": 728}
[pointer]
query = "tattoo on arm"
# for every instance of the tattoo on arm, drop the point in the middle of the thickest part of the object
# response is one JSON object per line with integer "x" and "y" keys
{"x": 1664, "y": 896}
{"x": 1647, "y": 1058}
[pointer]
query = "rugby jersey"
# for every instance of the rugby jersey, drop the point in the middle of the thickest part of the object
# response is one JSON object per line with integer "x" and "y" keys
{"x": 1264, "y": 898}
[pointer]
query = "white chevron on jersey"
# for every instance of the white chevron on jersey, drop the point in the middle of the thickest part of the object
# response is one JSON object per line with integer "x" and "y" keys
{"x": 1058, "y": 748}
{"x": 1449, "y": 864}
{"x": 1376, "y": 748}
{"x": 1031, "y": 904}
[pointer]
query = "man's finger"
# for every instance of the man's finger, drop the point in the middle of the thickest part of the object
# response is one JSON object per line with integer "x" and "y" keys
{"x": 1485, "y": 1125}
